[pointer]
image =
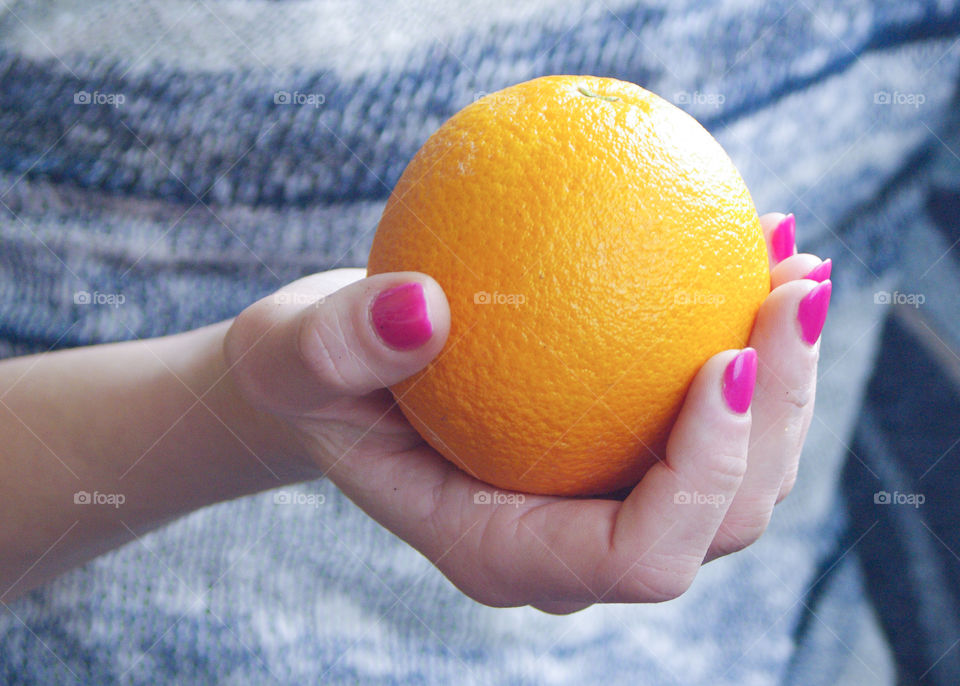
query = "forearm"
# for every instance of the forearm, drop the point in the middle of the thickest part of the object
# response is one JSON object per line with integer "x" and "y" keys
{"x": 149, "y": 429}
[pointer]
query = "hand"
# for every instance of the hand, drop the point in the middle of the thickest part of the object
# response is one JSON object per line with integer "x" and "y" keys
{"x": 322, "y": 368}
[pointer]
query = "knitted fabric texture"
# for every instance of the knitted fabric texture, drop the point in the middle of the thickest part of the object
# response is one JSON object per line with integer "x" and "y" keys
{"x": 193, "y": 157}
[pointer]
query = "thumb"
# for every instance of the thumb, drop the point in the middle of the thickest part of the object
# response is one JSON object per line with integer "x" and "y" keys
{"x": 293, "y": 358}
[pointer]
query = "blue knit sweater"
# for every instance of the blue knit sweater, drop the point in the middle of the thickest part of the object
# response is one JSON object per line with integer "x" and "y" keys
{"x": 194, "y": 156}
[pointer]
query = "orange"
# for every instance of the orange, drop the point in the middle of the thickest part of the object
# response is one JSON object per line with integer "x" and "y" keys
{"x": 596, "y": 246}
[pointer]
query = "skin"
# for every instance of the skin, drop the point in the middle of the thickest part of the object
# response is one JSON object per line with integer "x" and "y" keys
{"x": 290, "y": 391}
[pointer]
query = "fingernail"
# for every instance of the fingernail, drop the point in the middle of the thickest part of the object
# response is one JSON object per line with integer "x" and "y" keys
{"x": 400, "y": 317}
{"x": 812, "y": 312}
{"x": 739, "y": 378}
{"x": 821, "y": 272}
{"x": 783, "y": 239}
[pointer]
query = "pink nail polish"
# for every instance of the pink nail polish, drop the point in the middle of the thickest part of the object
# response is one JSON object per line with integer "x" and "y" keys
{"x": 400, "y": 317}
{"x": 812, "y": 312}
{"x": 739, "y": 379}
{"x": 783, "y": 239}
{"x": 821, "y": 272}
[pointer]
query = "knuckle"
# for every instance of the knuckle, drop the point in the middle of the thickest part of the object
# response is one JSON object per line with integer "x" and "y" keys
{"x": 560, "y": 607}
{"x": 480, "y": 573}
{"x": 648, "y": 582}
{"x": 244, "y": 332}
{"x": 794, "y": 388}
{"x": 786, "y": 487}
{"x": 239, "y": 350}
{"x": 475, "y": 586}
{"x": 725, "y": 471}
{"x": 739, "y": 531}
{"x": 798, "y": 398}
{"x": 322, "y": 350}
